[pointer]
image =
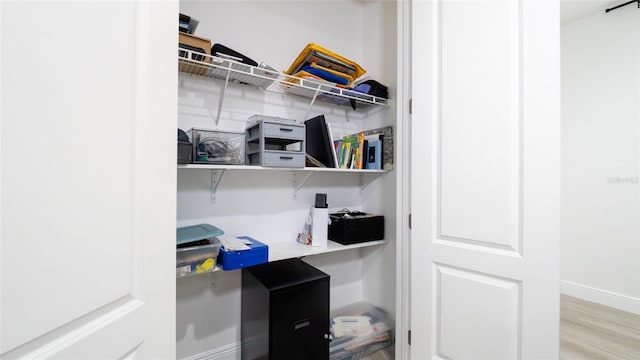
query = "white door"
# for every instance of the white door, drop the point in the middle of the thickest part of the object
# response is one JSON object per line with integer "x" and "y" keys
{"x": 485, "y": 180}
{"x": 88, "y": 179}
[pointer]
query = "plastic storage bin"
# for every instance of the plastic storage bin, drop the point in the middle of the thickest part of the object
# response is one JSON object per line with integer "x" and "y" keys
{"x": 187, "y": 235}
{"x": 197, "y": 248}
{"x": 358, "y": 330}
{"x": 197, "y": 259}
{"x": 217, "y": 147}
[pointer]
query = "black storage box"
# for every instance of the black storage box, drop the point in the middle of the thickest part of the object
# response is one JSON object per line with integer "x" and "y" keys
{"x": 355, "y": 227}
{"x": 184, "y": 148}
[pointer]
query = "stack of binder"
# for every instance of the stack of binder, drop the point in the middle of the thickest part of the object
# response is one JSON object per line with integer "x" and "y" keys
{"x": 318, "y": 63}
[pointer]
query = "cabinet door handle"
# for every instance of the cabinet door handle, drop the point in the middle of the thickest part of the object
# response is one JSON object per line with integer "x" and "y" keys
{"x": 285, "y": 129}
{"x": 286, "y": 157}
{"x": 301, "y": 324}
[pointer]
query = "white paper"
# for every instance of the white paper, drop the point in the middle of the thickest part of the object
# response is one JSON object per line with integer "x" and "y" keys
{"x": 352, "y": 326}
{"x": 233, "y": 243}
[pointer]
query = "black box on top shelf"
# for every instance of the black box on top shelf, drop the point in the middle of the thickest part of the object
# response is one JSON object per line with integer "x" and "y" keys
{"x": 355, "y": 227}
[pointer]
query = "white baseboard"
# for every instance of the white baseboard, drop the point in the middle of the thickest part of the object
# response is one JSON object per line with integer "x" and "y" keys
{"x": 227, "y": 352}
{"x": 603, "y": 297}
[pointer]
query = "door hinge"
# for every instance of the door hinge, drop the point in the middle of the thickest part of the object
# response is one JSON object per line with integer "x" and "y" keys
{"x": 409, "y": 337}
{"x": 409, "y": 221}
{"x": 410, "y": 106}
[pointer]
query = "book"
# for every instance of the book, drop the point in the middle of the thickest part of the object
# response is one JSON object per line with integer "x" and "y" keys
{"x": 333, "y": 148}
{"x": 365, "y": 153}
{"x": 360, "y": 156}
{"x": 349, "y": 146}
{"x": 385, "y": 135}
{"x": 337, "y": 146}
{"x": 354, "y": 144}
{"x": 374, "y": 155}
{"x": 345, "y": 150}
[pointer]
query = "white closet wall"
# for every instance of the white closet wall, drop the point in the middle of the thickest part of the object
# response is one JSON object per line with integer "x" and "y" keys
{"x": 262, "y": 203}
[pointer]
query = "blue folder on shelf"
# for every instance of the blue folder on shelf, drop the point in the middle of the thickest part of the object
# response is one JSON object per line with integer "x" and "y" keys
{"x": 258, "y": 253}
{"x": 325, "y": 75}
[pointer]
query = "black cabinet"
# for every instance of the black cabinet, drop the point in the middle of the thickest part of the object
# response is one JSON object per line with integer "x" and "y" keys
{"x": 285, "y": 311}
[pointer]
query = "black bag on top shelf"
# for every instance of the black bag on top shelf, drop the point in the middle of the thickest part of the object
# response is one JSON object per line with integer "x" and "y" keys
{"x": 226, "y": 53}
{"x": 370, "y": 87}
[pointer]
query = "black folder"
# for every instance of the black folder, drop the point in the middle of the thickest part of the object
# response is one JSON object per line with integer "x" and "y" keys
{"x": 318, "y": 141}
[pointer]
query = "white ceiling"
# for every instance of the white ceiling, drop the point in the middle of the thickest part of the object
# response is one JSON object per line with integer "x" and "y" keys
{"x": 572, "y": 10}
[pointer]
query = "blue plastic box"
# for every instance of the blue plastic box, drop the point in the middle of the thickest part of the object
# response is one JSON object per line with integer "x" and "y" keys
{"x": 232, "y": 260}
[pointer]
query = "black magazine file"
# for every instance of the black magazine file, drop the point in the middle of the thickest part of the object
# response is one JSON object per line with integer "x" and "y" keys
{"x": 318, "y": 141}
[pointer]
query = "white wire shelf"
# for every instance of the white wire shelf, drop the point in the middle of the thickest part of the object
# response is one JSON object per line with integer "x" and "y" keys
{"x": 215, "y": 67}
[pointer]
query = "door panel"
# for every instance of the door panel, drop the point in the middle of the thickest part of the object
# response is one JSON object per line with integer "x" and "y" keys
{"x": 88, "y": 178}
{"x": 466, "y": 302}
{"x": 480, "y": 123}
{"x": 55, "y": 191}
{"x": 485, "y": 186}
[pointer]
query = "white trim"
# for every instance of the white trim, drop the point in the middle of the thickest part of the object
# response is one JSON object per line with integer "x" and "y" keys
{"x": 226, "y": 352}
{"x": 600, "y": 296}
{"x": 403, "y": 192}
{"x": 1, "y": 177}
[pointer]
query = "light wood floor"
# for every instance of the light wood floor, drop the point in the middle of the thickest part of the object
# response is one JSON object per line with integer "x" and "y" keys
{"x": 593, "y": 331}
{"x": 588, "y": 331}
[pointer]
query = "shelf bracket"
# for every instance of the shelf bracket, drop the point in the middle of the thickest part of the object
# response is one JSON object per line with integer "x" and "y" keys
{"x": 224, "y": 89}
{"x": 216, "y": 178}
{"x": 297, "y": 185}
{"x": 313, "y": 100}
